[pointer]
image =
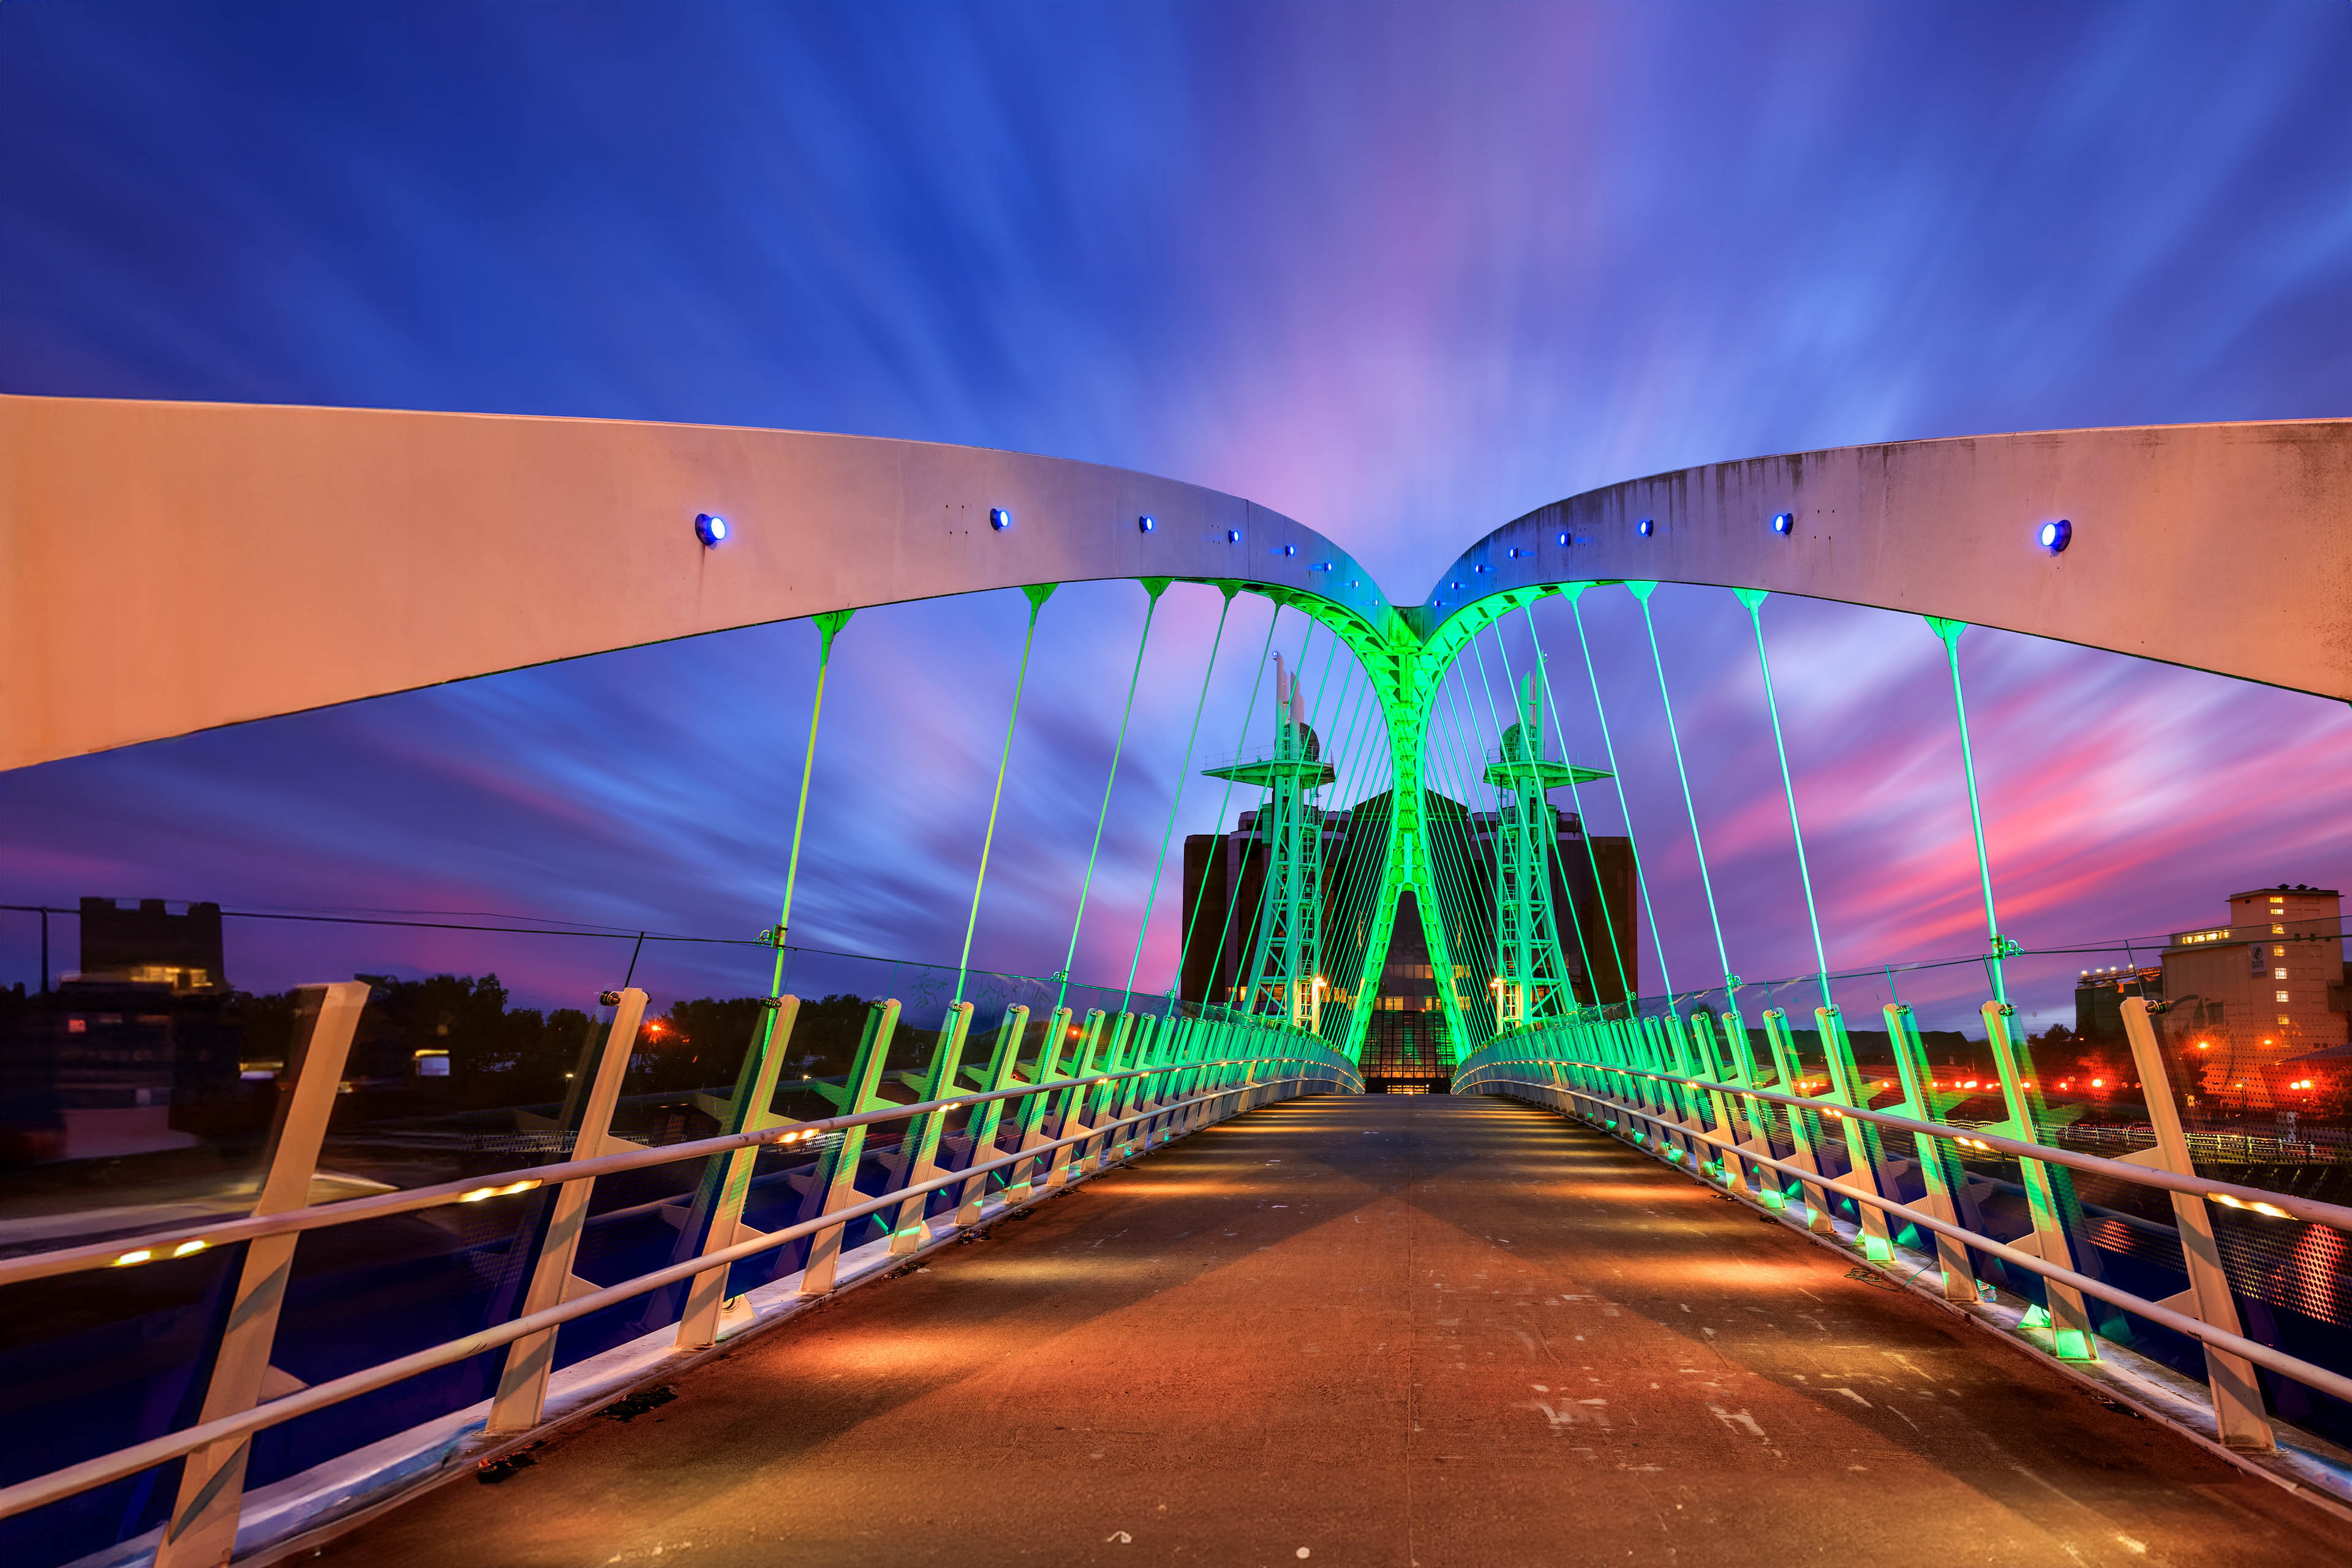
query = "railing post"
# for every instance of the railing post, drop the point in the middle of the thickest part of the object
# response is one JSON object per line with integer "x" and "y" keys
{"x": 202, "y": 1530}
{"x": 1074, "y": 1101}
{"x": 2238, "y": 1410}
{"x": 751, "y": 1111}
{"x": 920, "y": 1145}
{"x": 1094, "y": 1154}
{"x": 2048, "y": 1194}
{"x": 990, "y": 1116}
{"x": 1940, "y": 1165}
{"x": 1864, "y": 1157}
{"x": 862, "y": 1094}
{"x": 1804, "y": 1125}
{"x": 1035, "y": 1106}
{"x": 522, "y": 1397}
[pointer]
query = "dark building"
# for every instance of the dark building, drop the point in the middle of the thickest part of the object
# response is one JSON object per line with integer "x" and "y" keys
{"x": 149, "y": 944}
{"x": 131, "y": 1052}
{"x": 1407, "y": 1032}
{"x": 2100, "y": 994}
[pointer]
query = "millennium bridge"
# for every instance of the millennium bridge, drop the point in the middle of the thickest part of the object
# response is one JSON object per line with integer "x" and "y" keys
{"x": 1415, "y": 1224}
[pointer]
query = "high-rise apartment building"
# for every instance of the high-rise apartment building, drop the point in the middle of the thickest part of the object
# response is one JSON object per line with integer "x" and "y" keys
{"x": 2270, "y": 982}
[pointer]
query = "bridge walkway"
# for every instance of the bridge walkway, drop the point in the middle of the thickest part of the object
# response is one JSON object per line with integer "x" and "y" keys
{"x": 1414, "y": 1332}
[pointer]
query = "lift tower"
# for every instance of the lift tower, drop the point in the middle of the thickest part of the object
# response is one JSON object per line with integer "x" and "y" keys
{"x": 1530, "y": 971}
{"x": 1284, "y": 974}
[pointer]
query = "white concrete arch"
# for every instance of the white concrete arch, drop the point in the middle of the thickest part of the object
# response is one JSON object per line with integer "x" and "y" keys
{"x": 168, "y": 567}
{"x": 2221, "y": 547}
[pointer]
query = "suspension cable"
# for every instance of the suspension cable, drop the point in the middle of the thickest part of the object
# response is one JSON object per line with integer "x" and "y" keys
{"x": 1154, "y": 586}
{"x": 1208, "y": 861}
{"x": 1036, "y": 593}
{"x": 1754, "y": 599}
{"x": 1183, "y": 776}
{"x": 1551, "y": 831}
{"x": 1641, "y": 591}
{"x": 1949, "y": 631}
{"x": 1640, "y": 877}
{"x": 828, "y": 626}
{"x": 1576, "y": 798}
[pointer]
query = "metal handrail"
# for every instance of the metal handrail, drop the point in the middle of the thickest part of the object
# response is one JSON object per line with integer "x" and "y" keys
{"x": 161, "y": 1246}
{"x": 58, "y": 1485}
{"x": 2278, "y": 1361}
{"x": 2288, "y": 1203}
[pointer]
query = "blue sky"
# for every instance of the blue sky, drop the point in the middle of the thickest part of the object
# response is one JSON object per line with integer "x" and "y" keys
{"x": 1402, "y": 272}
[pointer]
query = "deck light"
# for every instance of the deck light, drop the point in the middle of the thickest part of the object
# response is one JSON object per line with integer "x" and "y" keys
{"x": 999, "y": 518}
{"x": 711, "y": 528}
{"x": 1783, "y": 521}
{"x": 1644, "y": 527}
{"x": 2055, "y": 536}
{"x": 1145, "y": 524}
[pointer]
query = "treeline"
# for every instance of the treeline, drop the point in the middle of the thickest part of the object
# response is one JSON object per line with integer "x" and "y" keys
{"x": 500, "y": 1054}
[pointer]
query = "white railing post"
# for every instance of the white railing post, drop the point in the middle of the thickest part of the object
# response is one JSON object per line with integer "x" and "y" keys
{"x": 753, "y": 1111}
{"x": 521, "y": 1398}
{"x": 2237, "y": 1398}
{"x": 988, "y": 1118}
{"x": 202, "y": 1530}
{"x": 861, "y": 1094}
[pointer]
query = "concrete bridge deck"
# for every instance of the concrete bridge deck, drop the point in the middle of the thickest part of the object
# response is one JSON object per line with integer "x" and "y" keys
{"x": 1408, "y": 1332}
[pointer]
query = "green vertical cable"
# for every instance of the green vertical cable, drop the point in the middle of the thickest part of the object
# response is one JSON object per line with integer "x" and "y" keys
{"x": 828, "y": 626}
{"x": 1641, "y": 878}
{"x": 1216, "y": 963}
{"x": 1155, "y": 587}
{"x": 1576, "y": 798}
{"x": 1036, "y": 593}
{"x": 1641, "y": 591}
{"x": 1949, "y": 631}
{"x": 1339, "y": 892}
{"x": 1466, "y": 878}
{"x": 1183, "y": 775}
{"x": 1754, "y": 599}
{"x": 1551, "y": 837}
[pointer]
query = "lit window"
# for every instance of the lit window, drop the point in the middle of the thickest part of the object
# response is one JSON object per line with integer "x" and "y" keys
{"x": 2279, "y": 974}
{"x": 2282, "y": 996}
{"x": 2278, "y": 952}
{"x": 2278, "y": 931}
{"x": 2283, "y": 1018}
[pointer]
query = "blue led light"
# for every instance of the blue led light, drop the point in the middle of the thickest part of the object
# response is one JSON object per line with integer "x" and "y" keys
{"x": 1644, "y": 528}
{"x": 1563, "y": 536}
{"x": 1145, "y": 524}
{"x": 1290, "y": 549}
{"x": 1783, "y": 521}
{"x": 999, "y": 518}
{"x": 2056, "y": 536}
{"x": 711, "y": 528}
{"x": 1232, "y": 536}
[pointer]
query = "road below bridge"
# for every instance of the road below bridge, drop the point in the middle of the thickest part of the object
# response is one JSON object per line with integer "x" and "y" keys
{"x": 1393, "y": 1330}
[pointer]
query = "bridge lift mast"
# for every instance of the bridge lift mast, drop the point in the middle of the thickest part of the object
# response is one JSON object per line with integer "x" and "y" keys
{"x": 1531, "y": 969}
{"x": 1284, "y": 974}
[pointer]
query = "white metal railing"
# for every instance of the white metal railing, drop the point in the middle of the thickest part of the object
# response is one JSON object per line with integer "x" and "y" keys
{"x": 1594, "y": 1089}
{"x": 1219, "y": 1067}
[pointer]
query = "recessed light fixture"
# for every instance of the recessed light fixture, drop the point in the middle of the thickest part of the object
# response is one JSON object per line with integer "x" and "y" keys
{"x": 1783, "y": 521}
{"x": 999, "y": 518}
{"x": 1232, "y": 536}
{"x": 1563, "y": 536}
{"x": 1145, "y": 524}
{"x": 1645, "y": 528}
{"x": 711, "y": 528}
{"x": 1290, "y": 549}
{"x": 2055, "y": 537}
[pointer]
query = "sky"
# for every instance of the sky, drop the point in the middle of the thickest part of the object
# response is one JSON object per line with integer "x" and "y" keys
{"x": 1402, "y": 272}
